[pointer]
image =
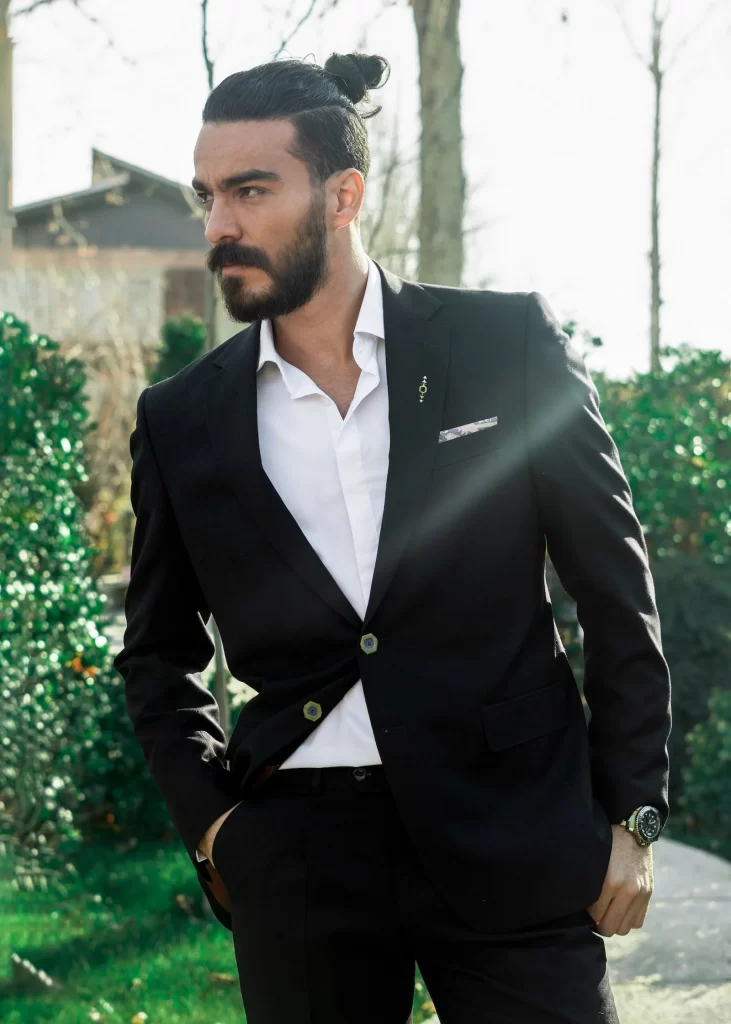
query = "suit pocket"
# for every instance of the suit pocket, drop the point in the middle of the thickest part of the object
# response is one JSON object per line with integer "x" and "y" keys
{"x": 468, "y": 445}
{"x": 527, "y": 717}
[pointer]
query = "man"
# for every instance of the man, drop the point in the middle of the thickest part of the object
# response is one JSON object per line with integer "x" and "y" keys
{"x": 360, "y": 488}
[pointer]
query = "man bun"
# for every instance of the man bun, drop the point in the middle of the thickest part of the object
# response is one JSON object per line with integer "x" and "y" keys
{"x": 357, "y": 73}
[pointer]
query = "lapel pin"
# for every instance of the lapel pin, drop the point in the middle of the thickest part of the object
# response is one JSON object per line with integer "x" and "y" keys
{"x": 422, "y": 389}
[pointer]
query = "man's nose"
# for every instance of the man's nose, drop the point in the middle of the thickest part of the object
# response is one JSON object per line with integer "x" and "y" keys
{"x": 221, "y": 225}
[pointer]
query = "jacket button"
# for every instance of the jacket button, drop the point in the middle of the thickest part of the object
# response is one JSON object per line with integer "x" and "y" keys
{"x": 369, "y": 643}
{"x": 312, "y": 710}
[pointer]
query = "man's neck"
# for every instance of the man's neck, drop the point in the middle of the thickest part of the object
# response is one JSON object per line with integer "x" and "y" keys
{"x": 321, "y": 332}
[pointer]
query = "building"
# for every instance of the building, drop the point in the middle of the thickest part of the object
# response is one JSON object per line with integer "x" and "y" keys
{"x": 109, "y": 263}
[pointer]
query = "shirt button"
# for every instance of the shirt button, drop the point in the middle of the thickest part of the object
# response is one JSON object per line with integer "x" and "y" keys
{"x": 359, "y": 774}
{"x": 369, "y": 643}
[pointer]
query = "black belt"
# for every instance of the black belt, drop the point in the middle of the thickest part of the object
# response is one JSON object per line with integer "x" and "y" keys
{"x": 335, "y": 778}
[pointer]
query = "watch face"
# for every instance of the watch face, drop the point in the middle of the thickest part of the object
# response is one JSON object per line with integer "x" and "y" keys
{"x": 649, "y": 823}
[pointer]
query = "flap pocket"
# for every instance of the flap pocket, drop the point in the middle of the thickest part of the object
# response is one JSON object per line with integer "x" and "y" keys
{"x": 527, "y": 717}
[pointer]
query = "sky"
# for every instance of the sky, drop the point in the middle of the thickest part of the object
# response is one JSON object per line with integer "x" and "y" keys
{"x": 557, "y": 118}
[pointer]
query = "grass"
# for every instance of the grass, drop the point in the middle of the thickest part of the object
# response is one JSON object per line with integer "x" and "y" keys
{"x": 122, "y": 944}
{"x": 130, "y": 943}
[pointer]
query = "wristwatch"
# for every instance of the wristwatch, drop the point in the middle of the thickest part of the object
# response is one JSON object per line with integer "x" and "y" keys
{"x": 645, "y": 823}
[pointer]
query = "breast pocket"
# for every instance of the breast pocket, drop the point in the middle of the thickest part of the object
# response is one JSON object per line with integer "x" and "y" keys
{"x": 467, "y": 446}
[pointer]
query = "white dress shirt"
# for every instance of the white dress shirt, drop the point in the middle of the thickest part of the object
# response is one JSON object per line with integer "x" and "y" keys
{"x": 331, "y": 472}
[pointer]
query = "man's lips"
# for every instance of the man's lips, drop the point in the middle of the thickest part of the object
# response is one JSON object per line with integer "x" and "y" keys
{"x": 235, "y": 268}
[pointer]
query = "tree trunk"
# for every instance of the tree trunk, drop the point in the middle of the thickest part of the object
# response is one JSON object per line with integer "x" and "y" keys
{"x": 441, "y": 250}
{"x": 7, "y": 221}
{"x": 220, "y": 679}
{"x": 655, "y": 297}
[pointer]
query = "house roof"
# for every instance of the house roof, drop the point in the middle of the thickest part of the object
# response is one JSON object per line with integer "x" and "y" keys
{"x": 108, "y": 173}
{"x": 101, "y": 162}
{"x": 102, "y": 186}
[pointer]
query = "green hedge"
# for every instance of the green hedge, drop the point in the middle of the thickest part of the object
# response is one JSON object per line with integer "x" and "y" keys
{"x": 183, "y": 339}
{"x": 673, "y": 432}
{"x": 68, "y": 755}
{"x": 706, "y": 800}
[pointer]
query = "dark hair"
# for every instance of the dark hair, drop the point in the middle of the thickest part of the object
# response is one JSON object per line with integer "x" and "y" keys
{"x": 320, "y": 101}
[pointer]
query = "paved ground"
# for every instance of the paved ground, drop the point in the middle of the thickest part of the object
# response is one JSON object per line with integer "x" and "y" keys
{"x": 677, "y": 968}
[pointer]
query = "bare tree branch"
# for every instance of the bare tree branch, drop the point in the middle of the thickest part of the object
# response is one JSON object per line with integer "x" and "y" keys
{"x": 206, "y": 57}
{"x": 392, "y": 165}
{"x": 689, "y": 35}
{"x": 288, "y": 39}
{"x": 30, "y": 8}
{"x": 619, "y": 8}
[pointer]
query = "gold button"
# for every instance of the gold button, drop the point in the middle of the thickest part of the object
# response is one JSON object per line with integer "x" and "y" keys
{"x": 369, "y": 643}
{"x": 312, "y": 711}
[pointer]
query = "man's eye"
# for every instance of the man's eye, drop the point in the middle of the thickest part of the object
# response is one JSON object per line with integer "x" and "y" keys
{"x": 202, "y": 197}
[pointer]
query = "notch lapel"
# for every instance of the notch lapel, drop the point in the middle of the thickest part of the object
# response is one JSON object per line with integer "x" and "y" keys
{"x": 416, "y": 347}
{"x": 232, "y": 425}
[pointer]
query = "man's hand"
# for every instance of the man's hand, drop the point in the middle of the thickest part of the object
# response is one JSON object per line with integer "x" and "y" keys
{"x": 627, "y": 888}
{"x": 206, "y": 844}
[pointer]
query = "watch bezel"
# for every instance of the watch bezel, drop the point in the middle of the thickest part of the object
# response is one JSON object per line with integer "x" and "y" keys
{"x": 640, "y": 816}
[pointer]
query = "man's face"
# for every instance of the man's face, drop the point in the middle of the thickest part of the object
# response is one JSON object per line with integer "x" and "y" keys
{"x": 264, "y": 219}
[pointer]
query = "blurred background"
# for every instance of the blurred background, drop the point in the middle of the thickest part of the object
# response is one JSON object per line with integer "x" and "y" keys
{"x": 579, "y": 149}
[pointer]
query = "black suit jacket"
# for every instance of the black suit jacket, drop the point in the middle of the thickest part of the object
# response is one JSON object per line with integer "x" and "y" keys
{"x": 478, "y": 721}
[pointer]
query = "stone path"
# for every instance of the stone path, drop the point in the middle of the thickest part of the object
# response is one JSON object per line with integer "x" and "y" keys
{"x": 676, "y": 969}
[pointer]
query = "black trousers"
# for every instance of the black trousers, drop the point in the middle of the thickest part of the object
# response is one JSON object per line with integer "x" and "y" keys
{"x": 331, "y": 910}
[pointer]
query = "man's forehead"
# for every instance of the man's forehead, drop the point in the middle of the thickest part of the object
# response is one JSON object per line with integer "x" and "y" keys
{"x": 231, "y": 146}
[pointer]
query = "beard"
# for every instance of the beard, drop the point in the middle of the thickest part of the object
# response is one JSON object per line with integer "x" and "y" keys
{"x": 296, "y": 275}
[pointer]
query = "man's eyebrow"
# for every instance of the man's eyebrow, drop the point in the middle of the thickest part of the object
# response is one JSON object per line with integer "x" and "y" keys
{"x": 239, "y": 179}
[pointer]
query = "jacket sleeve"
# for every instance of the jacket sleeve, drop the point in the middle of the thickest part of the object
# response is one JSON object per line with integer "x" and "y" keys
{"x": 597, "y": 547}
{"x": 166, "y": 647}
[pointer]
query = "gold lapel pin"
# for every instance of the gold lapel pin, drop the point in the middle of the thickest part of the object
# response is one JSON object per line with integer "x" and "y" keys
{"x": 422, "y": 389}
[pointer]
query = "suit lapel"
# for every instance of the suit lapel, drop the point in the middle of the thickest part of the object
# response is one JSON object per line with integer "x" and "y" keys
{"x": 415, "y": 348}
{"x": 232, "y": 424}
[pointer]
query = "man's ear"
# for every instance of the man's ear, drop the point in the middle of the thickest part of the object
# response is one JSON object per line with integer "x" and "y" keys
{"x": 348, "y": 189}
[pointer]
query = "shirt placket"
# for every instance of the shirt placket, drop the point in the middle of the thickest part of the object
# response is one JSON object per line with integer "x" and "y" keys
{"x": 354, "y": 478}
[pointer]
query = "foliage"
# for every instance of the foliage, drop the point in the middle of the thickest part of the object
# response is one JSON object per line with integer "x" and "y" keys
{"x": 585, "y": 341}
{"x": 50, "y": 647}
{"x": 183, "y": 340}
{"x": 707, "y": 776}
{"x": 694, "y": 604}
{"x": 564, "y": 612}
{"x": 59, "y": 688}
{"x": 673, "y": 431}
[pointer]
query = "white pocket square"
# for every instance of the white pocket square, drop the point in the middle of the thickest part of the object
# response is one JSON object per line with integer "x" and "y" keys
{"x": 466, "y": 428}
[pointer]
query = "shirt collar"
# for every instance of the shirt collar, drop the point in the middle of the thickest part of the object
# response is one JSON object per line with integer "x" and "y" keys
{"x": 369, "y": 322}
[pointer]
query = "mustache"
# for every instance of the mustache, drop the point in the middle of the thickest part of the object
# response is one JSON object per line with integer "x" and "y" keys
{"x": 229, "y": 253}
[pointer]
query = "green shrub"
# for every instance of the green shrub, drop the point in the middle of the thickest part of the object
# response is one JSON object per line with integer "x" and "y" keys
{"x": 673, "y": 431}
{"x": 64, "y": 722}
{"x": 183, "y": 340}
{"x": 51, "y": 647}
{"x": 707, "y": 776}
{"x": 694, "y": 603}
